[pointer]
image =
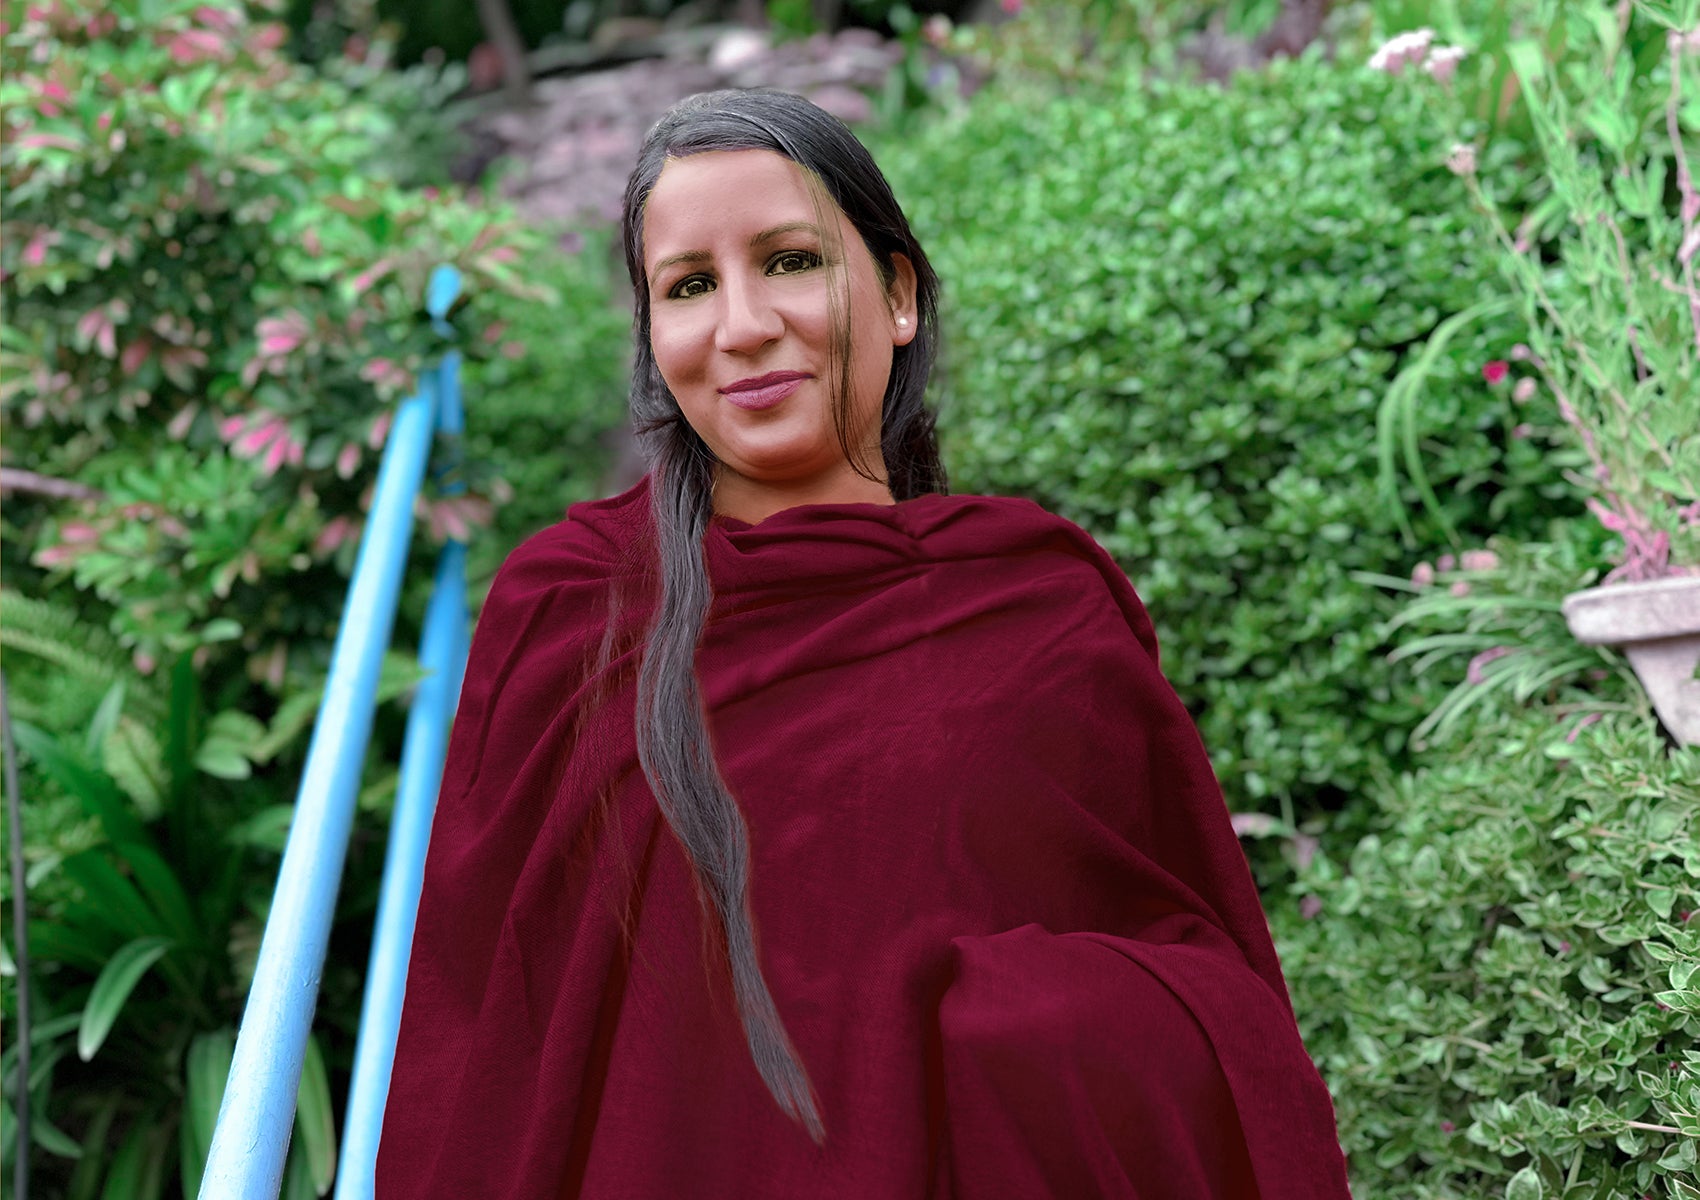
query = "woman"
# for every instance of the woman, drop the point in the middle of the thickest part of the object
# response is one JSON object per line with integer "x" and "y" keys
{"x": 808, "y": 832}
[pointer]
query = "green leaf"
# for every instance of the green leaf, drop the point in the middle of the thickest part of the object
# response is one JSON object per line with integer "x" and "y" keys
{"x": 138, "y": 1169}
{"x": 113, "y": 900}
{"x": 1525, "y": 1185}
{"x": 93, "y": 789}
{"x": 315, "y": 1126}
{"x": 53, "y": 1139}
{"x": 105, "y": 719}
{"x": 1660, "y": 899}
{"x": 86, "y": 1178}
{"x": 113, "y": 988}
{"x": 206, "y": 1072}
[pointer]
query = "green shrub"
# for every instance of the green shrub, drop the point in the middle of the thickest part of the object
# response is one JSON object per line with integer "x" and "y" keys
{"x": 543, "y": 410}
{"x": 1497, "y": 975}
{"x": 1172, "y": 312}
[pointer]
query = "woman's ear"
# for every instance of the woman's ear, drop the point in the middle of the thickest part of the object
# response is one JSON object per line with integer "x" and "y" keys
{"x": 901, "y": 295}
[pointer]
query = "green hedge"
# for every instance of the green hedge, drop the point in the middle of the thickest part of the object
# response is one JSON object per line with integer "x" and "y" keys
{"x": 1498, "y": 973}
{"x": 1172, "y": 312}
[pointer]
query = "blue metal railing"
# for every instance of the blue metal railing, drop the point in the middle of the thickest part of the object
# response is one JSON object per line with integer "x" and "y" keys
{"x": 251, "y": 1141}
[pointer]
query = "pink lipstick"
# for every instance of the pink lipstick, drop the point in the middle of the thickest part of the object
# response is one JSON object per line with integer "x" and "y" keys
{"x": 763, "y": 391}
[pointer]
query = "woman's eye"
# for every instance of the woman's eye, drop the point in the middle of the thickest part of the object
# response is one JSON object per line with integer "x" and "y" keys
{"x": 789, "y": 262}
{"x": 689, "y": 287}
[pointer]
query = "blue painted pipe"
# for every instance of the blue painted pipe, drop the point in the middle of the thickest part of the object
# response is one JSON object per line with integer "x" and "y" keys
{"x": 251, "y": 1139}
{"x": 443, "y": 650}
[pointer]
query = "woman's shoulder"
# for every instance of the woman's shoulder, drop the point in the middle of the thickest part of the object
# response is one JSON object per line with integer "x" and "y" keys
{"x": 597, "y": 541}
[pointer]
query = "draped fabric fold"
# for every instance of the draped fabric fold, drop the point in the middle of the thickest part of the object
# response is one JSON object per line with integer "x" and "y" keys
{"x": 997, "y": 897}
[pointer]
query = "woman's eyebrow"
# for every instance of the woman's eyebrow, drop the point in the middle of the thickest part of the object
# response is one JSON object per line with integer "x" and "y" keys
{"x": 766, "y": 235}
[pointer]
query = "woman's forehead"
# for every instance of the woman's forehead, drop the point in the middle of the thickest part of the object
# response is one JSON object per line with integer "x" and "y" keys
{"x": 718, "y": 191}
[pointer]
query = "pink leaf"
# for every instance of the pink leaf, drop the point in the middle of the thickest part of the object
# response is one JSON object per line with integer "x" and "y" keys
{"x": 135, "y": 354}
{"x": 1611, "y": 520}
{"x": 348, "y": 461}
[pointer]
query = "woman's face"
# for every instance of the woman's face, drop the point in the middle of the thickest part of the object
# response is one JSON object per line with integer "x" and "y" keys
{"x": 740, "y": 279}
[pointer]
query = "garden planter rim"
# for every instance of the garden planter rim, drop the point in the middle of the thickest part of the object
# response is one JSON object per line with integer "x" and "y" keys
{"x": 1618, "y": 613}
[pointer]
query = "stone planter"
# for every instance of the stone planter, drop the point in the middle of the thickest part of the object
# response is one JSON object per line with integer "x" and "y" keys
{"x": 1657, "y": 626}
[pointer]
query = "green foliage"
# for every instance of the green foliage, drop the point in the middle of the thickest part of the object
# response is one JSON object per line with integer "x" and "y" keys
{"x": 1500, "y": 609}
{"x": 543, "y": 409}
{"x": 211, "y": 302}
{"x": 142, "y": 945}
{"x": 1496, "y": 968}
{"x": 1172, "y": 312}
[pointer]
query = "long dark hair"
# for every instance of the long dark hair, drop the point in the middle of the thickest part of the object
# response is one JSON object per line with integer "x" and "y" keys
{"x": 672, "y": 737}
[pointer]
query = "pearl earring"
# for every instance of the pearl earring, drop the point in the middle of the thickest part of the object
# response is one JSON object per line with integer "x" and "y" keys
{"x": 903, "y": 322}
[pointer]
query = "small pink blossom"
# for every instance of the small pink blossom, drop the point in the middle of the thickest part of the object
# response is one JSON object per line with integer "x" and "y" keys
{"x": 1445, "y": 562}
{"x": 380, "y": 430}
{"x": 1447, "y": 1127}
{"x": 1479, "y": 560}
{"x": 179, "y": 425}
{"x": 1459, "y": 589}
{"x": 1496, "y": 370}
{"x": 1616, "y": 522}
{"x": 1442, "y": 63}
{"x": 348, "y": 461}
{"x": 1522, "y": 430}
{"x": 1524, "y": 391}
{"x": 1010, "y": 7}
{"x": 35, "y": 250}
{"x": 1310, "y": 907}
{"x": 1422, "y": 574}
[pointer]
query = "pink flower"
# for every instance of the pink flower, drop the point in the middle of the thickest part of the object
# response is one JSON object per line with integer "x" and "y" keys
{"x": 348, "y": 461}
{"x": 1459, "y": 589}
{"x": 1616, "y": 522}
{"x": 380, "y": 430}
{"x": 1524, "y": 391}
{"x": 135, "y": 354}
{"x": 1522, "y": 430}
{"x": 35, "y": 250}
{"x": 1442, "y": 63}
{"x": 1010, "y": 7}
{"x": 1447, "y": 1127}
{"x": 1422, "y": 574}
{"x": 179, "y": 425}
{"x": 1495, "y": 371}
{"x": 1479, "y": 560}
{"x": 1461, "y": 159}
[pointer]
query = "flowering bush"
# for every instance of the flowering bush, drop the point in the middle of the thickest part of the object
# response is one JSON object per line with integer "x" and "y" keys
{"x": 1603, "y": 268}
{"x": 211, "y": 304}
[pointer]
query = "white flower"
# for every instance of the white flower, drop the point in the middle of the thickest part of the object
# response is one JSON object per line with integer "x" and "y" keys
{"x": 1442, "y": 62}
{"x": 1402, "y": 48}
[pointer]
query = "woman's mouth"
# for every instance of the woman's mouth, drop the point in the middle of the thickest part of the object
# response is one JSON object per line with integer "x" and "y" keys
{"x": 763, "y": 391}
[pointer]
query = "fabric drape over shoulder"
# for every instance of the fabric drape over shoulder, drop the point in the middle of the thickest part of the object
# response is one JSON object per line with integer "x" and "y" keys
{"x": 998, "y": 900}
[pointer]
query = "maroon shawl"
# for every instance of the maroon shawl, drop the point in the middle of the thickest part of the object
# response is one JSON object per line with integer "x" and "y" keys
{"x": 1000, "y": 907}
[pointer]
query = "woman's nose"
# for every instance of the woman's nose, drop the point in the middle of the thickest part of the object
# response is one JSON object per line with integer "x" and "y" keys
{"x": 748, "y": 319}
